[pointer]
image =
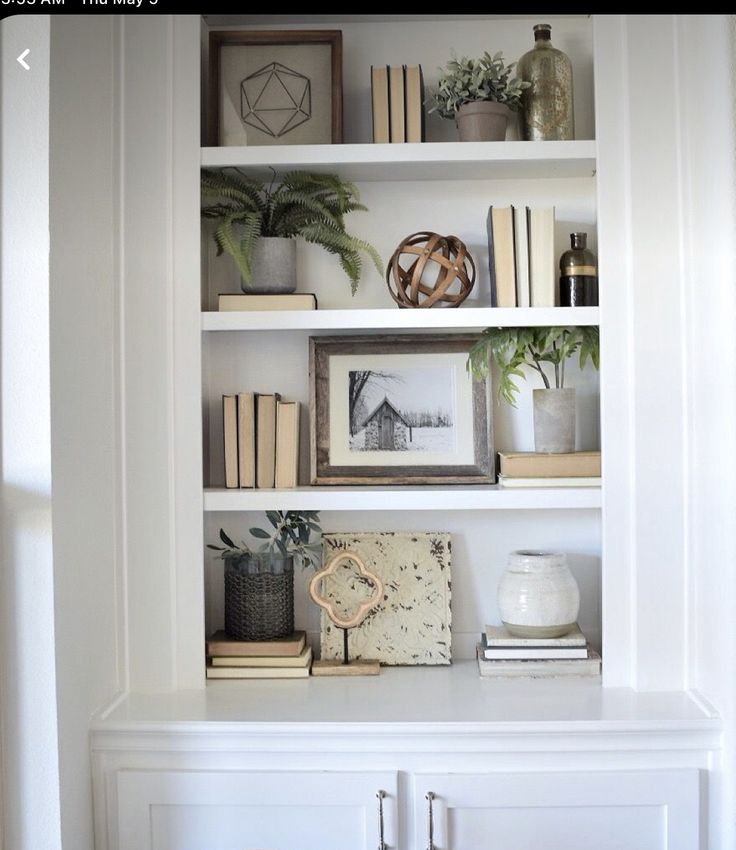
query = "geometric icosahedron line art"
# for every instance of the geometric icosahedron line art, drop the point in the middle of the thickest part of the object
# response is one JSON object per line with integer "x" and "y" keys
{"x": 275, "y": 99}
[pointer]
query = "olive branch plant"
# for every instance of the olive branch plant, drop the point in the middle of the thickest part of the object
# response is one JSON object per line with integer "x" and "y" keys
{"x": 290, "y": 534}
{"x": 513, "y": 349}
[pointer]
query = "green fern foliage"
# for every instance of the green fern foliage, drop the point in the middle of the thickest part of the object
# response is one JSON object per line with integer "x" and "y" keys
{"x": 534, "y": 348}
{"x": 300, "y": 203}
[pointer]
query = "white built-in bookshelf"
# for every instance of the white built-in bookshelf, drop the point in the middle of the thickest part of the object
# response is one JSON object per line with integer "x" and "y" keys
{"x": 441, "y": 185}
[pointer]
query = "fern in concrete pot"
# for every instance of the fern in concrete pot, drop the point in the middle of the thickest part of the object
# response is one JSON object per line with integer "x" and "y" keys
{"x": 256, "y": 223}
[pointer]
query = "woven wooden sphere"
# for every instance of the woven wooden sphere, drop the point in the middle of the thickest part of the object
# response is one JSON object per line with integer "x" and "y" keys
{"x": 422, "y": 257}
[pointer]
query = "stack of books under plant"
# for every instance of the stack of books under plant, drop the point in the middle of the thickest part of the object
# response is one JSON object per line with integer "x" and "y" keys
{"x": 283, "y": 658}
{"x": 259, "y": 640}
{"x": 541, "y": 469}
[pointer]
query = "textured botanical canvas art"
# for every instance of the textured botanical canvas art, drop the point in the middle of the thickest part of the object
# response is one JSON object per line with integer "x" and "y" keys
{"x": 412, "y": 624}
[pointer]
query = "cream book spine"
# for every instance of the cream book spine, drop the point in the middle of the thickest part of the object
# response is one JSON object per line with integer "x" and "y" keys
{"x": 230, "y": 439}
{"x": 257, "y": 672}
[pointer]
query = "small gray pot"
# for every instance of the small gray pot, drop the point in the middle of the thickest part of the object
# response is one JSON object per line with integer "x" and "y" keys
{"x": 273, "y": 266}
{"x": 554, "y": 420}
{"x": 482, "y": 121}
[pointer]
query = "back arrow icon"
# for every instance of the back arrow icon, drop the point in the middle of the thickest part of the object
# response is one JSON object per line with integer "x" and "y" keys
{"x": 22, "y": 57}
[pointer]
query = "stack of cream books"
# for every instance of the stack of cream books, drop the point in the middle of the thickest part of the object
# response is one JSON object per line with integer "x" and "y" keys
{"x": 534, "y": 469}
{"x": 284, "y": 658}
{"x": 502, "y": 655}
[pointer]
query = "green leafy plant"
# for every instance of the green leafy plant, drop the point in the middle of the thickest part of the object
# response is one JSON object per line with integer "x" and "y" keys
{"x": 301, "y": 203}
{"x": 290, "y": 534}
{"x": 467, "y": 80}
{"x": 534, "y": 348}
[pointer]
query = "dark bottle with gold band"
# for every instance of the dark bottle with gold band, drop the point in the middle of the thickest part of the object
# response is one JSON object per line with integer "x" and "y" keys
{"x": 578, "y": 274}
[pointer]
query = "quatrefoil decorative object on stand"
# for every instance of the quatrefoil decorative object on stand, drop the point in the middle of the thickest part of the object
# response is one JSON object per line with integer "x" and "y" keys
{"x": 346, "y": 667}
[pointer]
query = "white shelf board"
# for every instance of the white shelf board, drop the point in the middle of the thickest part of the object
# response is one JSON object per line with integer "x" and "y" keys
{"x": 415, "y": 699}
{"x": 470, "y": 318}
{"x": 427, "y": 161}
{"x": 425, "y": 498}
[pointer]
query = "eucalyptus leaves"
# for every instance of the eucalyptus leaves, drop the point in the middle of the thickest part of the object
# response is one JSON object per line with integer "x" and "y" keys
{"x": 467, "y": 80}
{"x": 290, "y": 534}
{"x": 513, "y": 348}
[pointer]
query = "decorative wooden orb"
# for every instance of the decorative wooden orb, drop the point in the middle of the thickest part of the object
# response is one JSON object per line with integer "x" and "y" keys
{"x": 426, "y": 255}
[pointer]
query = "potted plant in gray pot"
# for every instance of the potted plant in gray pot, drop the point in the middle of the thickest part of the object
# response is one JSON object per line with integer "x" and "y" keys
{"x": 259, "y": 584}
{"x": 479, "y": 94}
{"x": 545, "y": 350}
{"x": 257, "y": 223}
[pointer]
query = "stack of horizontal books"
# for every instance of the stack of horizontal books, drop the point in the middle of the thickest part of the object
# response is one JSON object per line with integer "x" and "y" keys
{"x": 284, "y": 658}
{"x": 501, "y": 655}
{"x": 230, "y": 302}
{"x": 534, "y": 469}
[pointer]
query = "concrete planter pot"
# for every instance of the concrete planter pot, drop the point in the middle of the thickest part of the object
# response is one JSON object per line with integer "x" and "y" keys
{"x": 554, "y": 420}
{"x": 482, "y": 121}
{"x": 538, "y": 596}
{"x": 273, "y": 266}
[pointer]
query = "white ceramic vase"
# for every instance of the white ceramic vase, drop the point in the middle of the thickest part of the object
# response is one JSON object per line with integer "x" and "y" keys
{"x": 538, "y": 596}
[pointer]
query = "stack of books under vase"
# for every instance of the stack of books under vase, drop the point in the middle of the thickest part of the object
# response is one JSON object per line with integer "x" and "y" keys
{"x": 284, "y": 658}
{"x": 501, "y": 655}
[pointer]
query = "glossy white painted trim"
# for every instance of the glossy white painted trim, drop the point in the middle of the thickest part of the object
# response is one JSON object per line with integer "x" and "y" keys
{"x": 428, "y": 161}
{"x": 470, "y": 318}
{"x": 429, "y": 498}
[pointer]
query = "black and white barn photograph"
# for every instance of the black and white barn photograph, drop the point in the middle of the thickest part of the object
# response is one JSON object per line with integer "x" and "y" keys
{"x": 401, "y": 410}
{"x": 398, "y": 411}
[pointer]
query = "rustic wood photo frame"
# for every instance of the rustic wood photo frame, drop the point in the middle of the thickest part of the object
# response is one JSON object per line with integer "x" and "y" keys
{"x": 291, "y": 83}
{"x": 443, "y": 436}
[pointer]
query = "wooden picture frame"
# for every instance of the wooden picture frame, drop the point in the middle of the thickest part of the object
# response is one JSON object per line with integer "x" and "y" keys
{"x": 417, "y": 418}
{"x": 327, "y": 121}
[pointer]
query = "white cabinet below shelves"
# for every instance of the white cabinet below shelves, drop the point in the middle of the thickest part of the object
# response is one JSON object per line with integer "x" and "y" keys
{"x": 636, "y": 810}
{"x": 233, "y": 810}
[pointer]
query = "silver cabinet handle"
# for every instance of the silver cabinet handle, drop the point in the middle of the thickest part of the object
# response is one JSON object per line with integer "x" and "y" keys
{"x": 430, "y": 819}
{"x": 381, "y": 843}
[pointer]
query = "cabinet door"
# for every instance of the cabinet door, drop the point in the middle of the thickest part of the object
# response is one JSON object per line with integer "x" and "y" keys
{"x": 244, "y": 810}
{"x": 638, "y": 810}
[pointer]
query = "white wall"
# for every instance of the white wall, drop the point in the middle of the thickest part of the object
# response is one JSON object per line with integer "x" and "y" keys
{"x": 84, "y": 390}
{"x": 30, "y": 770}
{"x": 705, "y": 47}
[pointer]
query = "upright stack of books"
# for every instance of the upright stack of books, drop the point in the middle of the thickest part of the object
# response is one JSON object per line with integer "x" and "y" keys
{"x": 521, "y": 256}
{"x": 503, "y": 656}
{"x": 397, "y": 94}
{"x": 284, "y": 658}
{"x": 261, "y": 436}
{"x": 532, "y": 469}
